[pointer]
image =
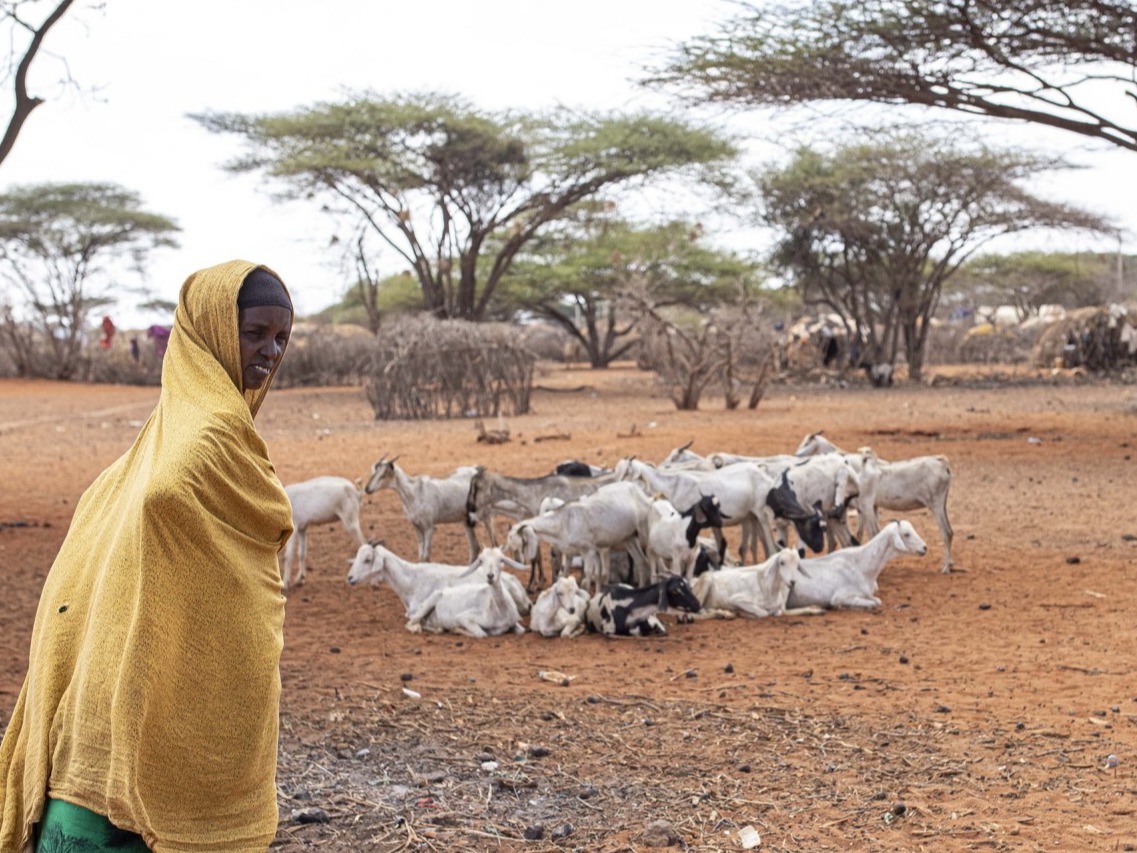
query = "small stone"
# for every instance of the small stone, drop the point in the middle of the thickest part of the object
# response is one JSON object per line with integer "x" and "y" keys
{"x": 563, "y": 831}
{"x": 335, "y": 650}
{"x": 728, "y": 668}
{"x": 534, "y": 832}
{"x": 899, "y": 808}
{"x": 406, "y": 676}
{"x": 539, "y": 751}
{"x": 1073, "y": 561}
{"x": 943, "y": 709}
{"x": 660, "y": 833}
{"x": 984, "y": 606}
{"x": 743, "y": 768}
{"x": 904, "y": 658}
{"x": 691, "y": 673}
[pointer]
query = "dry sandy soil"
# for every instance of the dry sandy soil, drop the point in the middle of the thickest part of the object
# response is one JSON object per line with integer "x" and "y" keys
{"x": 972, "y": 711}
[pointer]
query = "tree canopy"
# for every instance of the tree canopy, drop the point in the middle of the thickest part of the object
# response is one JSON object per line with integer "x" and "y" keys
{"x": 57, "y": 242}
{"x": 577, "y": 273}
{"x": 1066, "y": 65}
{"x": 873, "y": 230}
{"x": 455, "y": 191}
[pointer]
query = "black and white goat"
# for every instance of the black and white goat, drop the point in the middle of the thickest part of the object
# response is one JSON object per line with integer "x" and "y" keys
{"x": 625, "y": 611}
{"x": 672, "y": 543}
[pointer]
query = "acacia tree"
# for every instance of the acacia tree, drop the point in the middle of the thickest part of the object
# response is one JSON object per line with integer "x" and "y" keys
{"x": 873, "y": 230}
{"x": 25, "y": 40}
{"x": 454, "y": 191}
{"x": 57, "y": 246}
{"x": 574, "y": 275}
{"x": 1067, "y": 65}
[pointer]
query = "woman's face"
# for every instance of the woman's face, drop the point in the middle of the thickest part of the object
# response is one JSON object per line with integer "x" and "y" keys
{"x": 263, "y": 332}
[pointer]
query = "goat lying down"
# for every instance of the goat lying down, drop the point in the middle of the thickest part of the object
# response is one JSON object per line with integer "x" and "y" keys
{"x": 480, "y": 607}
{"x": 412, "y": 582}
{"x": 848, "y": 577}
{"x": 754, "y": 592}
{"x": 560, "y": 610}
{"x": 624, "y": 611}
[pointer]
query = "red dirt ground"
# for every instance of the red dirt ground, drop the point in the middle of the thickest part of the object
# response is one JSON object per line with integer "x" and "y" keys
{"x": 972, "y": 711}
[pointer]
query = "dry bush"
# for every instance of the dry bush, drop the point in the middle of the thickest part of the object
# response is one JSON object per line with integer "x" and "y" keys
{"x": 1001, "y": 346}
{"x": 427, "y": 369}
{"x": 325, "y": 356}
{"x": 118, "y": 367}
{"x": 732, "y": 348}
{"x": 551, "y": 343}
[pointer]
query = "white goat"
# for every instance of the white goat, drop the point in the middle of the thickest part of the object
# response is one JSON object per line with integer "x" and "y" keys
{"x": 751, "y": 591}
{"x": 412, "y": 582}
{"x": 427, "y": 501}
{"x": 848, "y": 578}
{"x": 826, "y": 483}
{"x": 904, "y": 485}
{"x": 320, "y": 500}
{"x": 476, "y": 607}
{"x": 613, "y": 516}
{"x": 560, "y": 610}
{"x": 741, "y": 491}
{"x": 670, "y": 549}
{"x": 480, "y": 607}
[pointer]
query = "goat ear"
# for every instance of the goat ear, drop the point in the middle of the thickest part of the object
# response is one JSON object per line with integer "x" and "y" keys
{"x": 688, "y": 444}
{"x": 393, "y": 459}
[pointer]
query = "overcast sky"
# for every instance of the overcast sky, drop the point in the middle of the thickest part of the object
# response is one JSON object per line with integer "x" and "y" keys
{"x": 145, "y": 65}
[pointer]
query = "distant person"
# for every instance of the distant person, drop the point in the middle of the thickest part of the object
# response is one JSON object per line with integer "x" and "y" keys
{"x": 135, "y": 353}
{"x": 108, "y": 333}
{"x": 148, "y": 719}
{"x": 161, "y": 336}
{"x": 829, "y": 346}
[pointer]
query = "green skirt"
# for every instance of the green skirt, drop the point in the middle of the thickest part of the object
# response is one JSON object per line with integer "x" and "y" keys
{"x": 68, "y": 828}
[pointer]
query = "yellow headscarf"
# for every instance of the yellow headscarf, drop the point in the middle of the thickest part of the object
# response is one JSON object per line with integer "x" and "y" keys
{"x": 153, "y": 684}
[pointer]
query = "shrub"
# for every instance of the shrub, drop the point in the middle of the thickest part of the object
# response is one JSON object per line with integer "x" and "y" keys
{"x": 327, "y": 356}
{"x": 426, "y": 369}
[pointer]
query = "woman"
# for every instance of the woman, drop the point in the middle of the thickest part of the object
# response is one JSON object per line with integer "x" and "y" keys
{"x": 148, "y": 718}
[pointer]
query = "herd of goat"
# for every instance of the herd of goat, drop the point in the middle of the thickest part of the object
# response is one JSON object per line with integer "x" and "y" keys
{"x": 646, "y": 538}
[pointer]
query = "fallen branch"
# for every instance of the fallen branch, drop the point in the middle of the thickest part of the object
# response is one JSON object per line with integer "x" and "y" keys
{"x": 556, "y": 436}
